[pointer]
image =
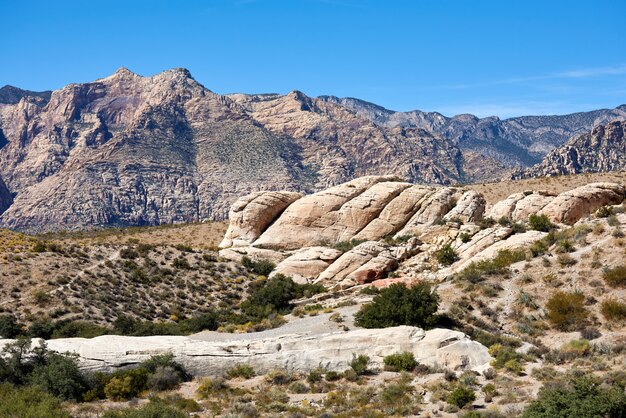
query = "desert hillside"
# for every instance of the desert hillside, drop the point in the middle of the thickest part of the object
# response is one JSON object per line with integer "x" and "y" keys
{"x": 520, "y": 287}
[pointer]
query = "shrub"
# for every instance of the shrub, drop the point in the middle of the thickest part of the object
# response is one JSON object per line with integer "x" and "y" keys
{"x": 400, "y": 361}
{"x": 126, "y": 384}
{"x": 332, "y": 376}
{"x": 540, "y": 223}
{"x": 465, "y": 237}
{"x": 475, "y": 272}
{"x": 59, "y": 376}
{"x": 503, "y": 356}
{"x": 79, "y": 329}
{"x": 566, "y": 311}
{"x": 261, "y": 267}
{"x": 164, "y": 378}
{"x": 580, "y": 397}
{"x": 29, "y": 402}
{"x": 278, "y": 377}
{"x": 591, "y": 333}
{"x": 345, "y": 246}
{"x": 615, "y": 277}
{"x": 399, "y": 305}
{"x": 604, "y": 212}
{"x": 461, "y": 396}
{"x": 154, "y": 409}
{"x": 359, "y": 364}
{"x": 241, "y": 370}
{"x": 446, "y": 255}
{"x": 275, "y": 295}
{"x": 209, "y": 387}
{"x": 9, "y": 328}
{"x": 566, "y": 260}
{"x": 613, "y": 310}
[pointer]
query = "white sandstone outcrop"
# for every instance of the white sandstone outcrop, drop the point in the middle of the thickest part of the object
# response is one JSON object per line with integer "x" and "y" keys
{"x": 333, "y": 351}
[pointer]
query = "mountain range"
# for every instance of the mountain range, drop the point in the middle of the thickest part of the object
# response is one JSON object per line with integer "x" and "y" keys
{"x": 133, "y": 150}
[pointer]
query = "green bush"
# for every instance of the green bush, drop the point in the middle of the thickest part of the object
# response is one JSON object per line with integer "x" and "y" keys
{"x": 613, "y": 310}
{"x": 615, "y": 277}
{"x": 59, "y": 376}
{"x": 275, "y": 296}
{"x": 503, "y": 356}
{"x": 126, "y": 384}
{"x": 241, "y": 370}
{"x": 399, "y": 305}
{"x": 475, "y": 272}
{"x": 446, "y": 255}
{"x": 461, "y": 396}
{"x": 604, "y": 212}
{"x": 79, "y": 329}
{"x": 359, "y": 364}
{"x": 9, "y": 328}
{"x": 29, "y": 402}
{"x": 540, "y": 223}
{"x": 261, "y": 267}
{"x": 580, "y": 397}
{"x": 566, "y": 311}
{"x": 345, "y": 246}
{"x": 400, "y": 362}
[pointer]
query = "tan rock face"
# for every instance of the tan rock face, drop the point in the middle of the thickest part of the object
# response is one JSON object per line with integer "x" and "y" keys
{"x": 469, "y": 208}
{"x": 396, "y": 214}
{"x": 431, "y": 210}
{"x": 570, "y": 206}
{"x": 307, "y": 263}
{"x": 424, "y": 219}
{"x": 251, "y": 215}
{"x": 333, "y": 215}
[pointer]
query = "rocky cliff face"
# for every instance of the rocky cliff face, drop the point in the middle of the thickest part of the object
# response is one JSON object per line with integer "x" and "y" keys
{"x": 521, "y": 140}
{"x": 132, "y": 150}
{"x": 5, "y": 197}
{"x": 602, "y": 149}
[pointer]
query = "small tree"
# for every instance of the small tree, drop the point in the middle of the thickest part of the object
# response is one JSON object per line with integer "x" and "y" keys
{"x": 399, "y": 305}
{"x": 400, "y": 362}
{"x": 359, "y": 364}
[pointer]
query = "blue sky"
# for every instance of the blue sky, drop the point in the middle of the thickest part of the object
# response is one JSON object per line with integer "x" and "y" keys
{"x": 502, "y": 58}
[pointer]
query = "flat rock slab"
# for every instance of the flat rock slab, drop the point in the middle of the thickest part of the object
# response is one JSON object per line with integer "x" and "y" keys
{"x": 333, "y": 351}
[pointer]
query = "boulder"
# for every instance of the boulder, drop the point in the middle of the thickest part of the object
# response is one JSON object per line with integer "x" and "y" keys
{"x": 251, "y": 214}
{"x": 205, "y": 355}
{"x": 306, "y": 264}
{"x": 568, "y": 207}
{"x": 332, "y": 215}
{"x": 469, "y": 208}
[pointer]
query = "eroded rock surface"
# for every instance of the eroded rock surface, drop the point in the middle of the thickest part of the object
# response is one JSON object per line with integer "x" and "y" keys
{"x": 333, "y": 351}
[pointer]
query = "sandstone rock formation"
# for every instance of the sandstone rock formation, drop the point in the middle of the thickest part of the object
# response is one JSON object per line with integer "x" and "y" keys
{"x": 333, "y": 351}
{"x": 602, "y": 149}
{"x": 252, "y": 214}
{"x": 570, "y": 206}
{"x": 403, "y": 227}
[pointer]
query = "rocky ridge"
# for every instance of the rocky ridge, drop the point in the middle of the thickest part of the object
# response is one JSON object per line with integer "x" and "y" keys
{"x": 392, "y": 225}
{"x": 602, "y": 149}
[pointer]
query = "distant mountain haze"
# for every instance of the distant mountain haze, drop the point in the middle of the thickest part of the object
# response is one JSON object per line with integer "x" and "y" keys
{"x": 132, "y": 150}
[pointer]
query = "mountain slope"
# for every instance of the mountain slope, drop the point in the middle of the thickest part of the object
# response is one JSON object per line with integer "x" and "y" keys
{"x": 602, "y": 149}
{"x": 521, "y": 140}
{"x": 132, "y": 150}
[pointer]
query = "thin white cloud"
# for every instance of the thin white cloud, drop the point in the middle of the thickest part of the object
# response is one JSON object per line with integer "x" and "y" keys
{"x": 572, "y": 74}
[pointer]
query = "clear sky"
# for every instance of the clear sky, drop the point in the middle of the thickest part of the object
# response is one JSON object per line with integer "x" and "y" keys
{"x": 485, "y": 57}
